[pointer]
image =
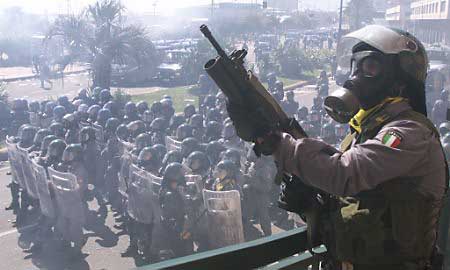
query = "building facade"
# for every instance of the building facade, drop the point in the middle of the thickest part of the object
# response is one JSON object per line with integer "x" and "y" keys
{"x": 283, "y": 5}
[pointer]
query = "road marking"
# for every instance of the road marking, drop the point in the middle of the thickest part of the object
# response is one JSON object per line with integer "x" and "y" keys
{"x": 22, "y": 229}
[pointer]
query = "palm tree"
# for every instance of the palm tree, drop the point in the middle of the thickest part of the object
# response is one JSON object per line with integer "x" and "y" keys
{"x": 359, "y": 13}
{"x": 101, "y": 33}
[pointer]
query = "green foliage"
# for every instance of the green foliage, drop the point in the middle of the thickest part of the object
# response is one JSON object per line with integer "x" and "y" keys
{"x": 121, "y": 96}
{"x": 180, "y": 96}
{"x": 359, "y": 13}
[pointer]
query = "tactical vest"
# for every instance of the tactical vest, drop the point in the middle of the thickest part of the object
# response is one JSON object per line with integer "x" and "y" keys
{"x": 393, "y": 226}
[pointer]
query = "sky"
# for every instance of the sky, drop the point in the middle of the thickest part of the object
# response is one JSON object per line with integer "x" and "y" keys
{"x": 60, "y": 6}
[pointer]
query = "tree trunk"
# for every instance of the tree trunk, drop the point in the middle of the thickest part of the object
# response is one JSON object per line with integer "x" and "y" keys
{"x": 102, "y": 71}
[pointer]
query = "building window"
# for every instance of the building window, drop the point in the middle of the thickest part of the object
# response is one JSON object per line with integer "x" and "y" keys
{"x": 443, "y": 6}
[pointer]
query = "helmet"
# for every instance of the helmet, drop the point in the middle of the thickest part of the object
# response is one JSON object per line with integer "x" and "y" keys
{"x": 40, "y": 135}
{"x": 446, "y": 147}
{"x": 59, "y": 112}
{"x": 105, "y": 96}
{"x": 83, "y": 108}
{"x": 73, "y": 152}
{"x": 210, "y": 101}
{"x": 302, "y": 113}
{"x": 214, "y": 150}
{"x": 49, "y": 108}
{"x": 156, "y": 108}
{"x": 159, "y": 124}
{"x": 122, "y": 132}
{"x": 142, "y": 140}
{"x": 196, "y": 121}
{"x": 45, "y": 143}
{"x": 112, "y": 124}
{"x": 228, "y": 131}
{"x": 136, "y": 127}
{"x": 189, "y": 110}
{"x": 102, "y": 116}
{"x": 63, "y": 100}
{"x": 69, "y": 120}
{"x": 444, "y": 128}
{"x": 189, "y": 145}
{"x": 444, "y": 95}
{"x": 232, "y": 155}
{"x": 161, "y": 150}
{"x": 149, "y": 159}
{"x": 213, "y": 130}
{"x": 174, "y": 172}
{"x": 172, "y": 156}
{"x": 167, "y": 111}
{"x": 183, "y": 131}
{"x": 214, "y": 115}
{"x": 27, "y": 135}
{"x": 198, "y": 162}
{"x": 113, "y": 107}
{"x": 56, "y": 148}
{"x": 290, "y": 95}
{"x": 175, "y": 122}
{"x": 167, "y": 102}
{"x": 57, "y": 129}
{"x": 93, "y": 111}
{"x": 147, "y": 116}
{"x": 225, "y": 169}
{"x": 96, "y": 91}
{"x": 82, "y": 92}
{"x": 76, "y": 103}
{"x": 142, "y": 106}
{"x": 87, "y": 134}
{"x": 33, "y": 106}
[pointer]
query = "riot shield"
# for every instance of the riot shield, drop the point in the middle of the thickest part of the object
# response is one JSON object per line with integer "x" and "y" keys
{"x": 124, "y": 173}
{"x": 43, "y": 191}
{"x": 35, "y": 120}
{"x": 124, "y": 146}
{"x": 28, "y": 173}
{"x": 140, "y": 196}
{"x": 99, "y": 136}
{"x": 224, "y": 217}
{"x": 196, "y": 180}
{"x": 15, "y": 163}
{"x": 67, "y": 195}
{"x": 172, "y": 144}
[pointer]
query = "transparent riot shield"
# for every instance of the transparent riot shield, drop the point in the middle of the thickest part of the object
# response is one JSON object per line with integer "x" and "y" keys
{"x": 172, "y": 144}
{"x": 15, "y": 163}
{"x": 224, "y": 217}
{"x": 99, "y": 136}
{"x": 124, "y": 173}
{"x": 28, "y": 173}
{"x": 67, "y": 195}
{"x": 196, "y": 180}
{"x": 35, "y": 120}
{"x": 140, "y": 196}
{"x": 42, "y": 184}
{"x": 124, "y": 146}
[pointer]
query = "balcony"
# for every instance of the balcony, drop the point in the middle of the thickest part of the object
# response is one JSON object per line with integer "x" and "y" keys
{"x": 285, "y": 250}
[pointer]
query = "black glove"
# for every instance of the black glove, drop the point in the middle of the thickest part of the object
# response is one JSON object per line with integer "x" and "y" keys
{"x": 249, "y": 124}
{"x": 295, "y": 196}
{"x": 267, "y": 144}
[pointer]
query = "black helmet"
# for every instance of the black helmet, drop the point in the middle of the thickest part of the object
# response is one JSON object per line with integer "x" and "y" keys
{"x": 174, "y": 172}
{"x": 73, "y": 152}
{"x": 122, "y": 132}
{"x": 142, "y": 140}
{"x": 213, "y": 130}
{"x": 63, "y": 100}
{"x": 183, "y": 131}
{"x": 233, "y": 155}
{"x": 142, "y": 106}
{"x": 225, "y": 169}
{"x": 136, "y": 127}
{"x": 149, "y": 159}
{"x": 40, "y": 135}
{"x": 56, "y": 148}
{"x": 93, "y": 111}
{"x": 210, "y": 101}
{"x": 59, "y": 112}
{"x": 172, "y": 156}
{"x": 214, "y": 150}
{"x": 156, "y": 108}
{"x": 228, "y": 131}
{"x": 87, "y": 134}
{"x": 444, "y": 128}
{"x": 57, "y": 129}
{"x": 161, "y": 150}
{"x": 147, "y": 116}
{"x": 112, "y": 124}
{"x": 189, "y": 111}
{"x": 45, "y": 143}
{"x": 214, "y": 115}
{"x": 167, "y": 111}
{"x": 34, "y": 106}
{"x": 113, "y": 107}
{"x": 175, "y": 122}
{"x": 189, "y": 145}
{"x": 69, "y": 120}
{"x": 102, "y": 116}
{"x": 49, "y": 108}
{"x": 196, "y": 121}
{"x": 159, "y": 124}
{"x": 198, "y": 162}
{"x": 105, "y": 96}
{"x": 27, "y": 135}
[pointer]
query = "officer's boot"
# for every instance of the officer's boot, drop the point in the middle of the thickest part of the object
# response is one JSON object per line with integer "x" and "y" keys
{"x": 14, "y": 188}
{"x": 132, "y": 249}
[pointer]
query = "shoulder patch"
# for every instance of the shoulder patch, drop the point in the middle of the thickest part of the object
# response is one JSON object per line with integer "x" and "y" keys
{"x": 392, "y": 139}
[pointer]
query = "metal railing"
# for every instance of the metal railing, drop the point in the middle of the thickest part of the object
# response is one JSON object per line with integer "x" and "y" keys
{"x": 285, "y": 250}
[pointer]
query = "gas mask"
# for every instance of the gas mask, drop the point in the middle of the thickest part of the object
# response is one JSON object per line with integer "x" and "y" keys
{"x": 371, "y": 78}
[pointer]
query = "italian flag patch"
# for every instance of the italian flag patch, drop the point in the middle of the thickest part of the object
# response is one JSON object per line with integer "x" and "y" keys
{"x": 392, "y": 139}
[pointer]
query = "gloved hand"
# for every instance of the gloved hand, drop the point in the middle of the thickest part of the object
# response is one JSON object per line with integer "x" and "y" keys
{"x": 248, "y": 124}
{"x": 267, "y": 144}
{"x": 295, "y": 196}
